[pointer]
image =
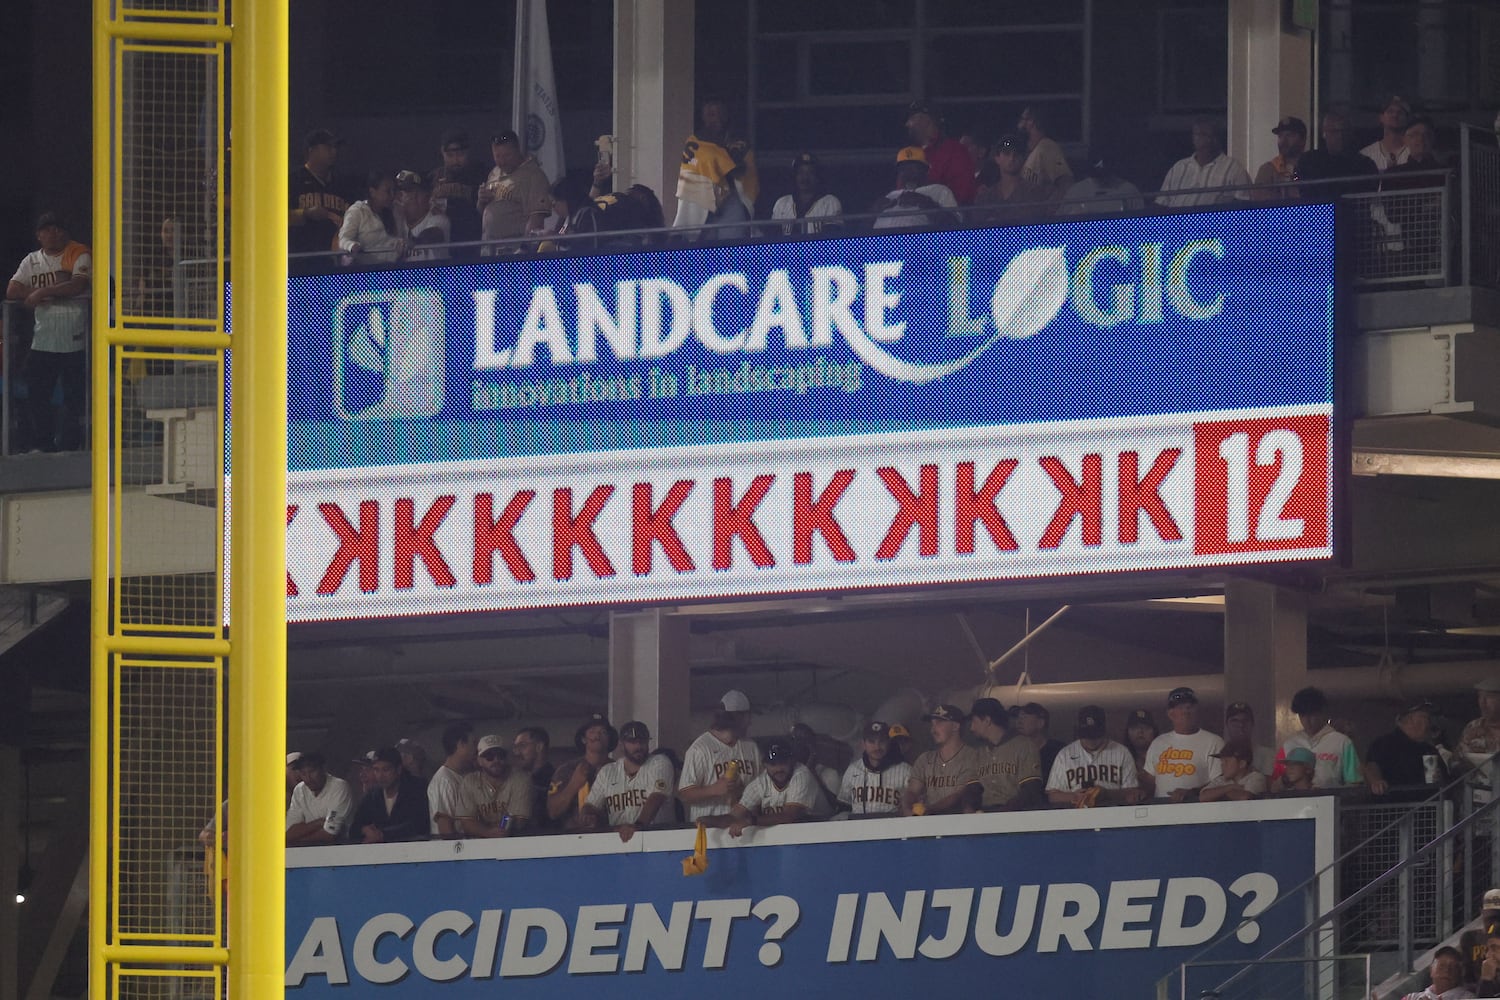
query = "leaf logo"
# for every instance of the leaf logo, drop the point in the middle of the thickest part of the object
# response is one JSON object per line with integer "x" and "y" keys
{"x": 1028, "y": 296}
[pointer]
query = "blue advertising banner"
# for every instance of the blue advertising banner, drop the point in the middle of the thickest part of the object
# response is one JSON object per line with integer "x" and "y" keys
{"x": 875, "y": 410}
{"x": 1096, "y": 903}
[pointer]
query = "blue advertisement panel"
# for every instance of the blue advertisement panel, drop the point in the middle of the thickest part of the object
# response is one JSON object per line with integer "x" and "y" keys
{"x": 1103, "y": 902}
{"x": 867, "y": 411}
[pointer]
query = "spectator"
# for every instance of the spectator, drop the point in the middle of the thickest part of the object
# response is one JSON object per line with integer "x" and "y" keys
{"x": 363, "y": 777}
{"x": 945, "y": 779}
{"x": 1093, "y": 769}
{"x": 595, "y": 740}
{"x": 455, "y": 187}
{"x": 1046, "y": 167}
{"x": 948, "y": 162}
{"x": 1208, "y": 167}
{"x": 293, "y": 774}
{"x": 1009, "y": 186}
{"x": 497, "y": 798}
{"x": 321, "y": 805}
{"x": 903, "y": 207}
{"x": 721, "y": 762}
{"x": 529, "y": 753}
{"x": 674, "y": 805}
{"x": 1140, "y": 730}
{"x": 978, "y": 143}
{"x": 1238, "y": 778}
{"x": 901, "y": 741}
{"x": 1420, "y": 156}
{"x": 1338, "y": 761}
{"x": 873, "y": 782}
{"x": 396, "y": 809}
{"x": 1390, "y": 149}
{"x": 1032, "y": 721}
{"x": 1101, "y": 190}
{"x": 516, "y": 198}
{"x": 1333, "y": 158}
{"x": 413, "y": 758}
{"x": 809, "y": 198}
{"x": 1182, "y": 760}
{"x": 632, "y": 792}
{"x": 1010, "y": 775}
{"x": 569, "y": 202}
{"x": 1239, "y": 727}
{"x": 783, "y": 793}
{"x": 1274, "y": 178}
{"x": 417, "y": 223}
{"x": 1401, "y": 756}
{"x": 319, "y": 196}
{"x": 805, "y": 741}
{"x": 718, "y": 182}
{"x": 1484, "y": 952}
{"x": 445, "y": 792}
{"x": 369, "y": 229}
{"x": 1297, "y": 769}
{"x": 1447, "y": 975}
{"x": 54, "y": 282}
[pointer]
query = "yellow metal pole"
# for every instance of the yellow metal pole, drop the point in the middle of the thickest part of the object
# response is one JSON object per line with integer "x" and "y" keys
{"x": 257, "y": 659}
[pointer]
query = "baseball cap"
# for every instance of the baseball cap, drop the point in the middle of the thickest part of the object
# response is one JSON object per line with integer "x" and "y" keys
{"x": 1301, "y": 755}
{"x": 1421, "y": 706}
{"x": 911, "y": 154}
{"x": 1180, "y": 696}
{"x": 1141, "y": 717}
{"x": 1240, "y": 750}
{"x": 898, "y": 731}
{"x": 321, "y": 137}
{"x": 1396, "y": 99}
{"x": 1491, "y": 900}
{"x": 945, "y": 713}
{"x": 389, "y": 755}
{"x": 735, "y": 701}
{"x": 409, "y": 745}
{"x": 1291, "y": 123}
{"x": 877, "y": 731}
{"x": 1239, "y": 708}
{"x": 46, "y": 220}
{"x": 410, "y": 180}
{"x": 295, "y": 757}
{"x": 365, "y": 759}
{"x": 780, "y": 752}
{"x": 491, "y": 742}
{"x": 1090, "y": 722}
{"x": 806, "y": 160}
{"x": 990, "y": 708}
{"x": 507, "y": 135}
{"x": 456, "y": 137}
{"x": 921, "y": 108}
{"x": 1490, "y": 685}
{"x": 635, "y": 731}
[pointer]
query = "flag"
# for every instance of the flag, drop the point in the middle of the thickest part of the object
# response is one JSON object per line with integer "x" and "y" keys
{"x": 534, "y": 96}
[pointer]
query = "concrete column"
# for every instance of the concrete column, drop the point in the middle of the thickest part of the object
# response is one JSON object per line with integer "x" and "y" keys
{"x": 1265, "y": 653}
{"x": 653, "y": 94}
{"x": 1270, "y": 75}
{"x": 649, "y": 674}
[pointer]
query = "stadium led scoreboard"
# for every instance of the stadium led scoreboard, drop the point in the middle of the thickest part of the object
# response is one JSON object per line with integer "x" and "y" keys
{"x": 832, "y": 414}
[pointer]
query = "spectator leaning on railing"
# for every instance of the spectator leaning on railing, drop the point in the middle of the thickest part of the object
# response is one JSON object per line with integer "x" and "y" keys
{"x": 809, "y": 198}
{"x": 55, "y": 282}
{"x": 369, "y": 227}
{"x": 1209, "y": 167}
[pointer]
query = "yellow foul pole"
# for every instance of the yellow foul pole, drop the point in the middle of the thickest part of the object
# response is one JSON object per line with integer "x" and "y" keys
{"x": 257, "y": 659}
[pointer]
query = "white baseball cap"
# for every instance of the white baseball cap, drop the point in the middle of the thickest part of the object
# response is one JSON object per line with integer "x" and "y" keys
{"x": 735, "y": 701}
{"x": 293, "y": 757}
{"x": 490, "y": 743}
{"x": 1491, "y": 900}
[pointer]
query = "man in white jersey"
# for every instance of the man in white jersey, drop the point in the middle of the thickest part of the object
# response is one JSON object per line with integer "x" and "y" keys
{"x": 55, "y": 283}
{"x": 445, "y": 794}
{"x": 1093, "y": 761}
{"x": 632, "y": 792}
{"x": 710, "y": 787}
{"x": 497, "y": 797}
{"x": 873, "y": 783}
{"x": 321, "y": 805}
{"x": 783, "y": 793}
{"x": 1182, "y": 760}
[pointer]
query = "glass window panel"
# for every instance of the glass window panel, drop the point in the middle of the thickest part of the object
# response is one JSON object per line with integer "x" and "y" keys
{"x": 1023, "y": 63}
{"x": 859, "y": 68}
{"x": 835, "y": 15}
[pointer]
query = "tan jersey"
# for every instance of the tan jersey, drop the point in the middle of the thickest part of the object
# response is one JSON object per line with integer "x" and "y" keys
{"x": 1004, "y": 768}
{"x": 939, "y": 778}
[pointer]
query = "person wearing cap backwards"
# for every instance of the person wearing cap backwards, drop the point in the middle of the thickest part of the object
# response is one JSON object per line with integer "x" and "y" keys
{"x": 949, "y": 163}
{"x": 1093, "y": 761}
{"x": 1274, "y": 178}
{"x": 632, "y": 792}
{"x": 1338, "y": 761}
{"x": 1181, "y": 761}
{"x": 902, "y": 207}
{"x": 709, "y": 786}
{"x": 395, "y": 809}
{"x": 1238, "y": 779}
{"x": 1010, "y": 772}
{"x": 496, "y": 797}
{"x": 873, "y": 782}
{"x": 945, "y": 779}
{"x": 321, "y": 805}
{"x": 455, "y": 187}
{"x": 445, "y": 792}
{"x": 1390, "y": 149}
{"x": 1397, "y": 758}
{"x": 319, "y": 197}
{"x": 1296, "y": 769}
{"x": 418, "y": 223}
{"x": 54, "y": 281}
{"x": 809, "y": 198}
{"x": 595, "y": 740}
{"x": 782, "y": 793}
{"x": 1239, "y": 727}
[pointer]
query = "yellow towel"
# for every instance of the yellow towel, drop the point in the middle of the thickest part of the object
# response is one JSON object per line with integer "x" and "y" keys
{"x": 697, "y": 862}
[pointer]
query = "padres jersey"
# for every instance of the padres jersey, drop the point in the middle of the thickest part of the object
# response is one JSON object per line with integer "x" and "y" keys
{"x": 621, "y": 797}
{"x": 870, "y": 792}
{"x": 704, "y": 764}
{"x": 1183, "y": 761}
{"x": 1005, "y": 768}
{"x": 762, "y": 797}
{"x": 940, "y": 779}
{"x": 486, "y": 801}
{"x": 61, "y": 324}
{"x": 1076, "y": 768}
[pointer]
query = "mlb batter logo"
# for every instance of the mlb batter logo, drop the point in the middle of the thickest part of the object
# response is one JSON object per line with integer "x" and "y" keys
{"x": 388, "y": 355}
